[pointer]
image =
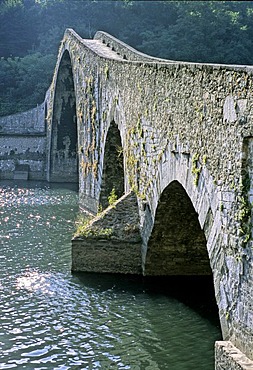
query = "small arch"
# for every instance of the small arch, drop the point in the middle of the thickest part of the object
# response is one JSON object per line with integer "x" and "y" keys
{"x": 113, "y": 167}
{"x": 177, "y": 245}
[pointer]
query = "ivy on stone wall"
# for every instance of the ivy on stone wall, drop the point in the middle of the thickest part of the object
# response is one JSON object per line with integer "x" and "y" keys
{"x": 245, "y": 211}
{"x": 196, "y": 168}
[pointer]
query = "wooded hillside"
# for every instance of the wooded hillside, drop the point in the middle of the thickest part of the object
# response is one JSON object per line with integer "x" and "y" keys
{"x": 31, "y": 30}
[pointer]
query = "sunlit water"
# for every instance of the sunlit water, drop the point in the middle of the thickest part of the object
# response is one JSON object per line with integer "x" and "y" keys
{"x": 51, "y": 319}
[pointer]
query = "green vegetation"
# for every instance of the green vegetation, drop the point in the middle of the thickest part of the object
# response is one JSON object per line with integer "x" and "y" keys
{"x": 204, "y": 159}
{"x": 24, "y": 81}
{"x": 84, "y": 228}
{"x": 106, "y": 71}
{"x": 112, "y": 198}
{"x": 81, "y": 224}
{"x": 95, "y": 232}
{"x": 245, "y": 211}
{"x": 196, "y": 169}
{"x": 31, "y": 31}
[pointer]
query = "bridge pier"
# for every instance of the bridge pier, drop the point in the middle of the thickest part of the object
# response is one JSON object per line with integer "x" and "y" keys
{"x": 111, "y": 241}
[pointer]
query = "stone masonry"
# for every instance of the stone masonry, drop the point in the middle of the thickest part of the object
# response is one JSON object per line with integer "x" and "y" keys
{"x": 117, "y": 247}
{"x": 180, "y": 123}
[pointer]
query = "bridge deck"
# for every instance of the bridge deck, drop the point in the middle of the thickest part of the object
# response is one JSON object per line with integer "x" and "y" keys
{"x": 101, "y": 49}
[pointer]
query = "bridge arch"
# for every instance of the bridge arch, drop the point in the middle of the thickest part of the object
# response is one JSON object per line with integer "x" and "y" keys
{"x": 177, "y": 244}
{"x": 113, "y": 166}
{"x": 63, "y": 156}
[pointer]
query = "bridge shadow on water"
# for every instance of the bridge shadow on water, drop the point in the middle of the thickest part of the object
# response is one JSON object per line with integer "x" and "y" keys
{"x": 195, "y": 292}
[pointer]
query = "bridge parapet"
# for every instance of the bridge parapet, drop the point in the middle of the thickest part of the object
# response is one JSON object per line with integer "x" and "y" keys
{"x": 124, "y": 50}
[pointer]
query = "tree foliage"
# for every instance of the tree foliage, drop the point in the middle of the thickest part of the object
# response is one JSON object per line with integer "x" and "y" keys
{"x": 24, "y": 81}
{"x": 31, "y": 30}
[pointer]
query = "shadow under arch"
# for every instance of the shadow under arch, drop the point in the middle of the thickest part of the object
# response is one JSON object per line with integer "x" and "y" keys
{"x": 177, "y": 244}
{"x": 113, "y": 166}
{"x": 63, "y": 161}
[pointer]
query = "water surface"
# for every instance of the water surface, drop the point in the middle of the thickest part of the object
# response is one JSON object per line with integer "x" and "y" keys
{"x": 52, "y": 319}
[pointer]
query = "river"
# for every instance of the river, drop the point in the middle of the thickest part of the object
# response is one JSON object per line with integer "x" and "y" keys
{"x": 53, "y": 319}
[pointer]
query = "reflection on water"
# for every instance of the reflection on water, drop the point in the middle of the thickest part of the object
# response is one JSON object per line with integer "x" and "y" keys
{"x": 51, "y": 319}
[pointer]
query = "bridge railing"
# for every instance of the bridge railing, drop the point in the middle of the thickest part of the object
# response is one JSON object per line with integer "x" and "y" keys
{"x": 124, "y": 50}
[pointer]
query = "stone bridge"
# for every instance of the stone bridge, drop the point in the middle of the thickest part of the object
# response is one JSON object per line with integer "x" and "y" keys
{"x": 174, "y": 142}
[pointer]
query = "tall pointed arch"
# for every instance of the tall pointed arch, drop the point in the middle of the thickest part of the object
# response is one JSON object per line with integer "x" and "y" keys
{"x": 63, "y": 154}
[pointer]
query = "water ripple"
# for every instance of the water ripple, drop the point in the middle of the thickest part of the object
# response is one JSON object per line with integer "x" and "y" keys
{"x": 51, "y": 319}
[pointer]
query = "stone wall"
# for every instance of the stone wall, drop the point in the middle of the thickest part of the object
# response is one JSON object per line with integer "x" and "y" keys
{"x": 23, "y": 150}
{"x": 23, "y": 142}
{"x": 228, "y": 357}
{"x": 30, "y": 122}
